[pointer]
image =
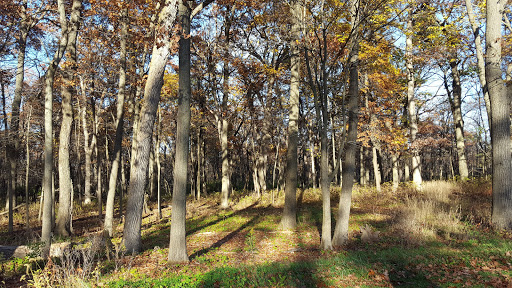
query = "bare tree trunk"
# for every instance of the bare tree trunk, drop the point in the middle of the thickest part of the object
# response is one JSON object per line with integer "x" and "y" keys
{"x": 161, "y": 53}
{"x": 177, "y": 243}
{"x": 376, "y": 169}
{"x": 396, "y": 178}
{"x": 500, "y": 108}
{"x": 27, "y": 169}
{"x": 63, "y": 224}
{"x": 48, "y": 131}
{"x": 413, "y": 116}
{"x": 480, "y": 58}
{"x": 455, "y": 103}
{"x": 289, "y": 220}
{"x": 114, "y": 172}
{"x": 349, "y": 166}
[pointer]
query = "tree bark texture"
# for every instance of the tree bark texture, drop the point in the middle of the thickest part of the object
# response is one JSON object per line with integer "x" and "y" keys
{"x": 160, "y": 56}
{"x": 502, "y": 168}
{"x": 116, "y": 155}
{"x": 64, "y": 216}
{"x": 177, "y": 243}
{"x": 289, "y": 220}
{"x": 413, "y": 116}
{"x": 48, "y": 131}
{"x": 349, "y": 166}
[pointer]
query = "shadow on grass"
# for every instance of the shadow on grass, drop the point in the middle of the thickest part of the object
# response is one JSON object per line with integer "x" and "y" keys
{"x": 228, "y": 237}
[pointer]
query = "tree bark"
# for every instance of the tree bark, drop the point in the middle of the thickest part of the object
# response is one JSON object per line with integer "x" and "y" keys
{"x": 48, "y": 131}
{"x": 289, "y": 220}
{"x": 480, "y": 58}
{"x": 349, "y": 166}
{"x": 114, "y": 172}
{"x": 413, "y": 116}
{"x": 178, "y": 244}
{"x": 160, "y": 56}
{"x": 63, "y": 222}
{"x": 455, "y": 99}
{"x": 500, "y": 108}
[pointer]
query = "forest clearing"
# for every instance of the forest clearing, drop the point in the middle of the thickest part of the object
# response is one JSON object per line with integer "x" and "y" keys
{"x": 439, "y": 237}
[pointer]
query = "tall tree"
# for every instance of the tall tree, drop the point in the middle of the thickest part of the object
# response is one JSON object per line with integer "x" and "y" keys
{"x": 154, "y": 82}
{"x": 289, "y": 220}
{"x": 63, "y": 222}
{"x": 500, "y": 129}
{"x": 48, "y": 126}
{"x": 177, "y": 244}
{"x": 411, "y": 101}
{"x": 114, "y": 172}
{"x": 349, "y": 165}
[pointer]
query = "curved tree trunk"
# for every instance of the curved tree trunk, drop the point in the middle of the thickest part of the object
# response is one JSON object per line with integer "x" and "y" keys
{"x": 160, "y": 56}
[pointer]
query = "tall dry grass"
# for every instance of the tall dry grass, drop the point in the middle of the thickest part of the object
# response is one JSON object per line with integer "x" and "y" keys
{"x": 433, "y": 212}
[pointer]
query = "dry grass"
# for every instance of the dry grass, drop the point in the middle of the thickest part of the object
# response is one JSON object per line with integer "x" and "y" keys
{"x": 433, "y": 212}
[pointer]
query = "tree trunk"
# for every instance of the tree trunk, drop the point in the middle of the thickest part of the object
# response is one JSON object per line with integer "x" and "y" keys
{"x": 48, "y": 131}
{"x": 396, "y": 178}
{"x": 349, "y": 166}
{"x": 289, "y": 220}
{"x": 413, "y": 117}
{"x": 27, "y": 169}
{"x": 480, "y": 58}
{"x": 455, "y": 103}
{"x": 63, "y": 223}
{"x": 112, "y": 183}
{"x": 161, "y": 53}
{"x": 177, "y": 243}
{"x": 500, "y": 108}
{"x": 376, "y": 169}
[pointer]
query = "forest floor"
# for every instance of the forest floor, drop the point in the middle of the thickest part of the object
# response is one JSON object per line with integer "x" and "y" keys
{"x": 439, "y": 237}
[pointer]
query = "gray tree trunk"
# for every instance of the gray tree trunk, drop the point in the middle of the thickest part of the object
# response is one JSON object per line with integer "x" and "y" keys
{"x": 114, "y": 172}
{"x": 480, "y": 58}
{"x": 48, "y": 132}
{"x": 455, "y": 104}
{"x": 349, "y": 166}
{"x": 289, "y": 220}
{"x": 413, "y": 116}
{"x": 160, "y": 56}
{"x": 63, "y": 222}
{"x": 500, "y": 108}
{"x": 177, "y": 243}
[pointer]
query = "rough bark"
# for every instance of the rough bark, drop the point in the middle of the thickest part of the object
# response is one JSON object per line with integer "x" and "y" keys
{"x": 160, "y": 56}
{"x": 480, "y": 58}
{"x": 289, "y": 220}
{"x": 177, "y": 243}
{"x": 500, "y": 108}
{"x": 116, "y": 155}
{"x": 63, "y": 222}
{"x": 349, "y": 166}
{"x": 48, "y": 131}
{"x": 411, "y": 109}
{"x": 455, "y": 99}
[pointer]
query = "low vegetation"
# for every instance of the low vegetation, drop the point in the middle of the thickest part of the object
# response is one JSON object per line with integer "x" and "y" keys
{"x": 437, "y": 237}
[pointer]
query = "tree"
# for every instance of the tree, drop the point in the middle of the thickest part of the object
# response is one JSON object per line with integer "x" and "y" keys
{"x": 159, "y": 58}
{"x": 500, "y": 122}
{"x": 48, "y": 125}
{"x": 112, "y": 184}
{"x": 63, "y": 222}
{"x": 289, "y": 219}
